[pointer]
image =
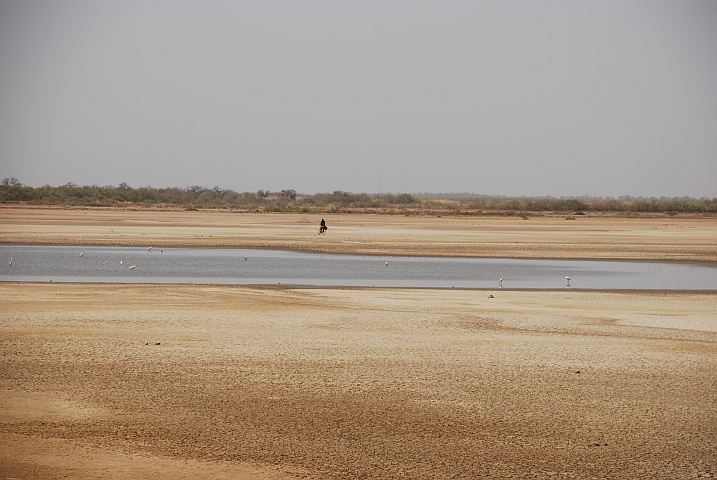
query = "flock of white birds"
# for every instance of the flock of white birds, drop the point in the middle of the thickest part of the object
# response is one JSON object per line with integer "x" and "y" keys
{"x": 149, "y": 250}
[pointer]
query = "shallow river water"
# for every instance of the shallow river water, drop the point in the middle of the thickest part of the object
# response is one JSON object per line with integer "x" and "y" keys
{"x": 266, "y": 267}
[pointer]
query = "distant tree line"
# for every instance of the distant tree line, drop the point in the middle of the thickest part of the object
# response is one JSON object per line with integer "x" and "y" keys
{"x": 193, "y": 197}
{"x": 580, "y": 206}
{"x": 197, "y": 197}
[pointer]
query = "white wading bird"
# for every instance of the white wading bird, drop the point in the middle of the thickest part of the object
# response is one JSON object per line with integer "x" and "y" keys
{"x": 133, "y": 267}
{"x": 500, "y": 282}
{"x": 245, "y": 258}
{"x": 149, "y": 249}
{"x": 386, "y": 263}
{"x": 11, "y": 261}
{"x": 121, "y": 262}
{"x": 568, "y": 279}
{"x": 81, "y": 254}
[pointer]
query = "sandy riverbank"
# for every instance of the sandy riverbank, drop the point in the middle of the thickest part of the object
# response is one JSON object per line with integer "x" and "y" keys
{"x": 130, "y": 381}
{"x": 663, "y": 238}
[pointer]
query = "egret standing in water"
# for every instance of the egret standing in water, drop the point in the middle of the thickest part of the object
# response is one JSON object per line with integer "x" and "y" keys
{"x": 11, "y": 261}
{"x": 149, "y": 249}
{"x": 568, "y": 279}
{"x": 81, "y": 254}
{"x": 500, "y": 282}
{"x": 245, "y": 259}
{"x": 386, "y": 263}
{"x": 133, "y": 267}
{"x": 121, "y": 262}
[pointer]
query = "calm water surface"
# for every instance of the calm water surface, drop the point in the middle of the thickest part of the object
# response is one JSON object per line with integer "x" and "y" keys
{"x": 266, "y": 267}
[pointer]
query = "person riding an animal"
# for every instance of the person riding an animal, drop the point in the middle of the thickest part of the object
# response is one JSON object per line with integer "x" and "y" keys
{"x": 323, "y": 227}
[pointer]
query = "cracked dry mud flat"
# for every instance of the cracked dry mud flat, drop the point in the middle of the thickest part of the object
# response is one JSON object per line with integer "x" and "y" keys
{"x": 136, "y": 381}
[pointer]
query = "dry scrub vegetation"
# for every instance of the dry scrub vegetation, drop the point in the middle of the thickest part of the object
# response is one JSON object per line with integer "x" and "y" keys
{"x": 195, "y": 197}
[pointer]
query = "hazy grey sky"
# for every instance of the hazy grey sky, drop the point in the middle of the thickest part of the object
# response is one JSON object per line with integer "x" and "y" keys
{"x": 602, "y": 98}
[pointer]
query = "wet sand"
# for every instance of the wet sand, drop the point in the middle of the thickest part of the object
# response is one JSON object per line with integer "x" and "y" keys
{"x": 181, "y": 381}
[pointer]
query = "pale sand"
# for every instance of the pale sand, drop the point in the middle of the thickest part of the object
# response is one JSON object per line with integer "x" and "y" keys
{"x": 663, "y": 238}
{"x": 276, "y": 383}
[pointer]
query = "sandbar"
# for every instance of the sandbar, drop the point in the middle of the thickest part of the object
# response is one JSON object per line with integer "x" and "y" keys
{"x": 648, "y": 238}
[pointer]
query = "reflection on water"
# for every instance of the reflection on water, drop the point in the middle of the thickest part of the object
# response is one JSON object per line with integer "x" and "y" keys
{"x": 229, "y": 266}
